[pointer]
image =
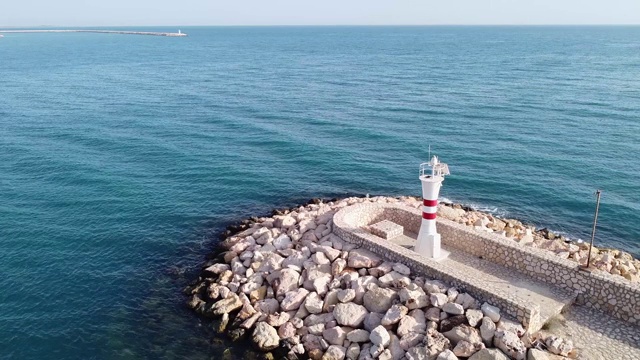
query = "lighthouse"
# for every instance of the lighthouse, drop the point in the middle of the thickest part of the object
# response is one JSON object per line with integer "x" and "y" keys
{"x": 431, "y": 175}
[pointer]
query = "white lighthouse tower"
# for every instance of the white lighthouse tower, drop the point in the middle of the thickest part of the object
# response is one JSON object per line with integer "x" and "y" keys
{"x": 431, "y": 175}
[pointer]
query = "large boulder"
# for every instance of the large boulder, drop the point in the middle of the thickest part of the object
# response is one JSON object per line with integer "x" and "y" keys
{"x": 489, "y": 354}
{"x": 265, "y": 336}
{"x": 380, "y": 336}
{"x": 487, "y": 331}
{"x": 379, "y": 299}
{"x": 361, "y": 258}
{"x": 225, "y": 306}
{"x": 415, "y": 322}
{"x": 463, "y": 332}
{"x": 334, "y": 352}
{"x": 491, "y": 311}
{"x": 510, "y": 344}
{"x": 350, "y": 314}
{"x": 293, "y": 299}
{"x": 394, "y": 314}
{"x": 413, "y": 297}
{"x": 287, "y": 281}
{"x": 358, "y": 336}
{"x": 335, "y": 335}
{"x": 465, "y": 349}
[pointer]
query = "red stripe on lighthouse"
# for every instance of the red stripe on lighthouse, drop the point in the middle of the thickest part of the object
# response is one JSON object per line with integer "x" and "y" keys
{"x": 426, "y": 202}
{"x": 428, "y": 216}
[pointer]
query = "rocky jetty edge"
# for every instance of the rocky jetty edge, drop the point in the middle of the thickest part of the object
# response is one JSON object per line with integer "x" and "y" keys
{"x": 297, "y": 291}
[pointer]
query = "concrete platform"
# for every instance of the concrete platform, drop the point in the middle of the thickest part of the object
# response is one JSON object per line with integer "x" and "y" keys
{"x": 502, "y": 282}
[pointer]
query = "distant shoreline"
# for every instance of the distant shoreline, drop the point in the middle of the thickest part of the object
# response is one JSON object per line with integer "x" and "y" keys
{"x": 150, "y": 33}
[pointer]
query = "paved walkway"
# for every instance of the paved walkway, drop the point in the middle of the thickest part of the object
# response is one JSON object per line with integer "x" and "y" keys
{"x": 598, "y": 336}
{"x": 503, "y": 281}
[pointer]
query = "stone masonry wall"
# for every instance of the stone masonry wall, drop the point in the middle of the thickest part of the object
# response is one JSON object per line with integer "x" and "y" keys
{"x": 611, "y": 294}
{"x": 348, "y": 225}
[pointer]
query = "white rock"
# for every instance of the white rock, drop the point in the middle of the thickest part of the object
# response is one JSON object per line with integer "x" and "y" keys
{"x": 279, "y": 319}
{"x": 418, "y": 353}
{"x": 385, "y": 355}
{"x": 331, "y": 253}
{"x": 491, "y": 311}
{"x": 447, "y": 355}
{"x": 394, "y": 314}
{"x": 334, "y": 336}
{"x": 510, "y": 344}
{"x": 334, "y": 352}
{"x": 267, "y": 306}
{"x": 350, "y": 314}
{"x": 265, "y": 337}
{"x": 330, "y": 300}
{"x": 394, "y": 279}
{"x": 380, "y": 336}
{"x": 282, "y": 242}
{"x": 467, "y": 301}
{"x": 558, "y": 345}
{"x": 489, "y": 354}
{"x": 415, "y": 322}
{"x": 284, "y": 222}
{"x": 287, "y": 330}
{"x": 338, "y": 266}
{"x": 474, "y": 317}
{"x": 381, "y": 270}
{"x": 376, "y": 350}
{"x": 313, "y": 303}
{"x": 438, "y": 299}
{"x": 535, "y": 354}
{"x": 379, "y": 299}
{"x": 432, "y": 314}
{"x": 358, "y": 335}
{"x": 413, "y": 297}
{"x": 452, "y": 293}
{"x": 487, "y": 331}
{"x": 435, "y": 286}
{"x": 346, "y": 295}
{"x": 353, "y": 351}
{"x": 397, "y": 352}
{"x": 293, "y": 299}
{"x": 401, "y": 269}
{"x": 410, "y": 340}
{"x": 227, "y": 305}
{"x": 372, "y": 320}
{"x": 453, "y": 309}
{"x": 466, "y": 349}
{"x": 508, "y": 325}
{"x": 320, "y": 258}
{"x": 463, "y": 332}
{"x": 361, "y": 258}
{"x": 318, "y": 319}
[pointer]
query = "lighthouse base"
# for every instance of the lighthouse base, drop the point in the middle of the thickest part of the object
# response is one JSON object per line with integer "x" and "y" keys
{"x": 429, "y": 246}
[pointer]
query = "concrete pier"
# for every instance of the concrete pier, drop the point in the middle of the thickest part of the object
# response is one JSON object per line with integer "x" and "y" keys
{"x": 150, "y": 33}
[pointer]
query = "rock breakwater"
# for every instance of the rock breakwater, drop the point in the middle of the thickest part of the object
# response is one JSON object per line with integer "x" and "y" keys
{"x": 291, "y": 286}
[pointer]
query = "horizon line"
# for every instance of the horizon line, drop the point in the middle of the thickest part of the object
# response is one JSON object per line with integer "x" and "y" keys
{"x": 315, "y": 25}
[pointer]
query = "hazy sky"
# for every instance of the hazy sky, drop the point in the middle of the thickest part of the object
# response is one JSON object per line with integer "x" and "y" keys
{"x": 318, "y": 12}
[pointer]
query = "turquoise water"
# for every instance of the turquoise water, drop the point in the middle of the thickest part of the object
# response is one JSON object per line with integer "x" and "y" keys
{"x": 122, "y": 156}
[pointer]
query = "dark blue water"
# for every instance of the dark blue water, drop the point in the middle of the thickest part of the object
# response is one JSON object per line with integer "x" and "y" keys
{"x": 121, "y": 156}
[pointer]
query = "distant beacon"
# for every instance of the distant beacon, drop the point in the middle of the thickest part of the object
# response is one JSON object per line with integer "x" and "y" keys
{"x": 431, "y": 175}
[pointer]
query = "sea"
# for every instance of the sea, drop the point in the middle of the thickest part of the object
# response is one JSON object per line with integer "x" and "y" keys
{"x": 123, "y": 157}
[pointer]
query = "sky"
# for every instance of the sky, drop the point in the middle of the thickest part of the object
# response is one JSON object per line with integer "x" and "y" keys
{"x": 319, "y": 12}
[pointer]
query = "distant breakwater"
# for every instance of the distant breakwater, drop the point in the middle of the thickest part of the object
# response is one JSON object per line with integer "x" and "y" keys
{"x": 150, "y": 33}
